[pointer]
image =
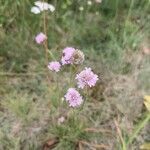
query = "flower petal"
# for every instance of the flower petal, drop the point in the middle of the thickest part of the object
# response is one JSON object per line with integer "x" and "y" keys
{"x": 35, "y": 10}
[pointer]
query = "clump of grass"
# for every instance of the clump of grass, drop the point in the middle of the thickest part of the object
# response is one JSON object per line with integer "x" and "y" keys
{"x": 22, "y": 107}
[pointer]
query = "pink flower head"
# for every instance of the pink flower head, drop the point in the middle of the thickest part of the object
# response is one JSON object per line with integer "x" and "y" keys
{"x": 73, "y": 97}
{"x": 54, "y": 66}
{"x": 61, "y": 120}
{"x": 67, "y": 57}
{"x": 40, "y": 38}
{"x": 86, "y": 78}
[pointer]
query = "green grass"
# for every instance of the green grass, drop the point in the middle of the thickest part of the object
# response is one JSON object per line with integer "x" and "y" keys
{"x": 113, "y": 36}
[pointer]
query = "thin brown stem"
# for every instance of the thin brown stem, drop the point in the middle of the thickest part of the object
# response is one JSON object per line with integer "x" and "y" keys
{"x": 94, "y": 130}
{"x": 45, "y": 32}
{"x": 97, "y": 146}
{"x": 46, "y": 41}
{"x": 11, "y": 74}
{"x": 120, "y": 135}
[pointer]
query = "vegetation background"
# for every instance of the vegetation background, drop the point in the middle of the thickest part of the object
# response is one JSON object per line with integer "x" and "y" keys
{"x": 114, "y": 36}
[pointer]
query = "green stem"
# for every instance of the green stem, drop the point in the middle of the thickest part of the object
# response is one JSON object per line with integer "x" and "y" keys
{"x": 51, "y": 54}
{"x": 86, "y": 97}
{"x": 124, "y": 146}
{"x": 138, "y": 129}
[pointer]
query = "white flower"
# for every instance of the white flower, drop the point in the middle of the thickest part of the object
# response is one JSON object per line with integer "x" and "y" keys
{"x": 35, "y": 10}
{"x": 51, "y": 7}
{"x": 44, "y": 6}
{"x": 89, "y": 2}
{"x": 81, "y": 8}
{"x": 41, "y": 6}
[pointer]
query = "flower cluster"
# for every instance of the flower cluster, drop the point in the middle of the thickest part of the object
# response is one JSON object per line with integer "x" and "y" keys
{"x": 73, "y": 97}
{"x": 86, "y": 78}
{"x": 67, "y": 57}
{"x": 41, "y": 6}
{"x": 40, "y": 38}
{"x": 70, "y": 56}
{"x": 54, "y": 66}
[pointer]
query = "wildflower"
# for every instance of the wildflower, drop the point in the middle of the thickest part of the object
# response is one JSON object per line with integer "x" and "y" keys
{"x": 61, "y": 120}
{"x": 67, "y": 55}
{"x": 54, "y": 66}
{"x": 86, "y": 78}
{"x": 44, "y": 6}
{"x": 35, "y": 10}
{"x": 78, "y": 57}
{"x": 89, "y": 2}
{"x": 40, "y": 38}
{"x": 81, "y": 8}
{"x": 41, "y": 6}
{"x": 72, "y": 56}
{"x": 73, "y": 97}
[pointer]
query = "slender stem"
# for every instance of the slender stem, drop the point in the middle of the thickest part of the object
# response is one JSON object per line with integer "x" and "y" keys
{"x": 120, "y": 135}
{"x": 139, "y": 127}
{"x": 85, "y": 98}
{"x": 70, "y": 75}
{"x": 45, "y": 32}
{"x": 57, "y": 89}
{"x": 52, "y": 56}
{"x": 46, "y": 42}
{"x": 11, "y": 74}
